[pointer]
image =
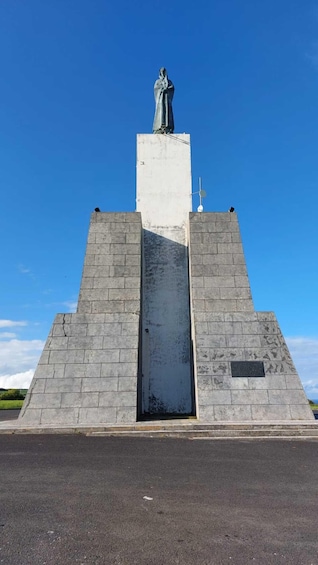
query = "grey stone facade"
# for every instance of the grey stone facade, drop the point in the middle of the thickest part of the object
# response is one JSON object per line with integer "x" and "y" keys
{"x": 226, "y": 328}
{"x": 88, "y": 370}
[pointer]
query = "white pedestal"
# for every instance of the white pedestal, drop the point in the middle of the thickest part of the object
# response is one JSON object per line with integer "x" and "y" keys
{"x": 164, "y": 200}
{"x": 164, "y": 179}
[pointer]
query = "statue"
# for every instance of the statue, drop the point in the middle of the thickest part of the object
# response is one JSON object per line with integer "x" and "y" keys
{"x": 164, "y": 91}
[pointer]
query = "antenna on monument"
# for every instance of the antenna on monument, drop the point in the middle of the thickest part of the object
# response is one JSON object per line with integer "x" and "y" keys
{"x": 201, "y": 193}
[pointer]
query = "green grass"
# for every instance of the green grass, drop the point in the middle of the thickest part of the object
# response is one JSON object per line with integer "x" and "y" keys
{"x": 314, "y": 406}
{"x": 10, "y": 404}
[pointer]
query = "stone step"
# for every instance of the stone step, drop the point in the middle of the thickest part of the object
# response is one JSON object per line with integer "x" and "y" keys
{"x": 226, "y": 432}
{"x": 174, "y": 428}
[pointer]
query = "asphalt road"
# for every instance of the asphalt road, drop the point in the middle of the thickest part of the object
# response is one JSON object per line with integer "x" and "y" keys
{"x": 9, "y": 415}
{"x": 80, "y": 500}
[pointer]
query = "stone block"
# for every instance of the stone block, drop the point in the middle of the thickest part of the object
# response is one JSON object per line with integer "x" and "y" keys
{"x": 103, "y": 283}
{"x": 216, "y": 237}
{"x": 121, "y": 342}
{"x": 238, "y": 258}
{"x": 71, "y": 399}
{"x": 220, "y": 305}
{"x": 287, "y": 397}
{"x": 216, "y": 397}
{"x": 117, "y": 399}
{"x": 240, "y": 383}
{"x": 249, "y": 397}
{"x": 102, "y": 355}
{"x": 244, "y": 341}
{"x": 63, "y": 416}
{"x": 30, "y": 416}
{"x": 107, "y": 306}
{"x": 85, "y": 318}
{"x": 277, "y": 382}
{"x": 243, "y": 305}
{"x": 98, "y": 249}
{"x": 57, "y": 343}
{"x": 38, "y": 385}
{"x": 266, "y": 316}
{"x": 94, "y": 294}
{"x": 132, "y": 282}
{"x": 102, "y": 384}
{"x": 128, "y": 294}
{"x": 241, "y": 280}
{"x": 301, "y": 412}
{"x": 128, "y": 356}
{"x": 44, "y": 372}
{"x": 95, "y": 416}
{"x": 221, "y": 282}
{"x": 125, "y": 270}
{"x": 133, "y": 261}
{"x": 206, "y": 293}
{"x": 67, "y": 356}
{"x": 133, "y": 238}
{"x": 130, "y": 328}
{"x": 63, "y": 385}
{"x": 127, "y": 384}
{"x": 270, "y": 412}
{"x": 229, "y": 248}
{"x": 221, "y": 382}
{"x": 211, "y": 341}
{"x": 235, "y": 293}
{"x": 126, "y": 415}
{"x": 293, "y": 382}
{"x": 87, "y": 342}
{"x": 228, "y": 413}
{"x": 241, "y": 317}
{"x": 119, "y": 369}
{"x": 206, "y": 413}
{"x": 42, "y": 400}
{"x": 231, "y": 270}
{"x": 105, "y": 329}
{"x": 84, "y": 306}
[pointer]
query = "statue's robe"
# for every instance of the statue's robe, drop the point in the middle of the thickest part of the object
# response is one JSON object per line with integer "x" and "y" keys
{"x": 163, "y": 120}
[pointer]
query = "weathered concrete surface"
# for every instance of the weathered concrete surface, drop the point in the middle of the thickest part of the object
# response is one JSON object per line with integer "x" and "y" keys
{"x": 164, "y": 179}
{"x": 226, "y": 328}
{"x": 80, "y": 500}
{"x": 88, "y": 370}
{"x": 164, "y": 201}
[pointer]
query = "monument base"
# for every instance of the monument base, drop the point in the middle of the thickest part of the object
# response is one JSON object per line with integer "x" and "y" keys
{"x": 243, "y": 369}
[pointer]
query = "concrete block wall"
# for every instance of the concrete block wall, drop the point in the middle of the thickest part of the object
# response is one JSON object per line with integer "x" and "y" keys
{"x": 225, "y": 328}
{"x": 88, "y": 371}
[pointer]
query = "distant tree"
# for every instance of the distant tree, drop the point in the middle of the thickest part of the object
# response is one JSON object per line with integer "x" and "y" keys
{"x": 310, "y": 401}
{"x": 11, "y": 394}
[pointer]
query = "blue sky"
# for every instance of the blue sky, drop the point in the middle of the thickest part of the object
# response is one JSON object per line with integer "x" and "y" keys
{"x": 77, "y": 86}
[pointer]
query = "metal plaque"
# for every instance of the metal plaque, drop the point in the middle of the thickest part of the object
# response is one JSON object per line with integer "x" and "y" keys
{"x": 247, "y": 369}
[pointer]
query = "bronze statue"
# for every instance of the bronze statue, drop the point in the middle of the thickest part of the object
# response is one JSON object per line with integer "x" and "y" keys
{"x": 164, "y": 91}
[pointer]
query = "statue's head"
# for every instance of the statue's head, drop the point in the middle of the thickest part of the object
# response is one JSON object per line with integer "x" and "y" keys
{"x": 163, "y": 72}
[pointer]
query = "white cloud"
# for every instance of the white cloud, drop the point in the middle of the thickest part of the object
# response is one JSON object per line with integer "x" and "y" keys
{"x": 18, "y": 359}
{"x": 5, "y": 335}
{"x": 18, "y": 380}
{"x": 11, "y": 323}
{"x": 71, "y": 305}
{"x": 304, "y": 351}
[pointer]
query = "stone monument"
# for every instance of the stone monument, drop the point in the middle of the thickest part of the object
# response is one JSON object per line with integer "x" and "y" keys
{"x": 164, "y": 91}
{"x": 165, "y": 324}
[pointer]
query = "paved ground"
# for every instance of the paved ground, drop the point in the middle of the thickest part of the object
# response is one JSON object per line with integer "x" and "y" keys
{"x": 9, "y": 415}
{"x": 76, "y": 499}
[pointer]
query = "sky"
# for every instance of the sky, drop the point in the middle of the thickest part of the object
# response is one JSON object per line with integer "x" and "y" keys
{"x": 77, "y": 86}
